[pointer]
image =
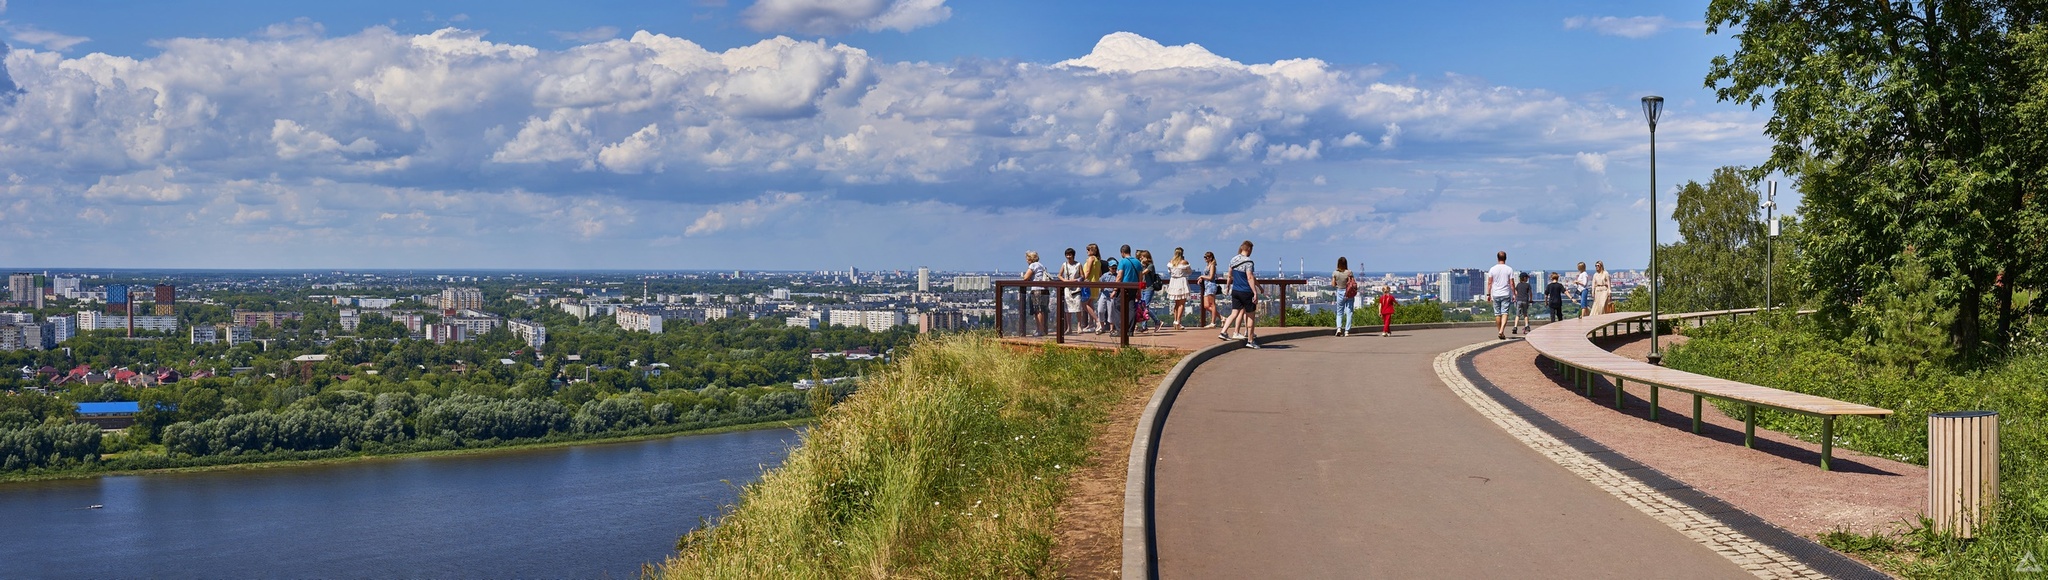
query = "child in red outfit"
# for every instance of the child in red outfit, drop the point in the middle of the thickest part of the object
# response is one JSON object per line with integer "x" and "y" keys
{"x": 1387, "y": 304}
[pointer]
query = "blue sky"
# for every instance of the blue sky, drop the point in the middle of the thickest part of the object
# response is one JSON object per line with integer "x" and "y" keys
{"x": 796, "y": 134}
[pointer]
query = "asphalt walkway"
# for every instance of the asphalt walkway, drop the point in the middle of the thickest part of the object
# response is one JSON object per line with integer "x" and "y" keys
{"x": 1349, "y": 458}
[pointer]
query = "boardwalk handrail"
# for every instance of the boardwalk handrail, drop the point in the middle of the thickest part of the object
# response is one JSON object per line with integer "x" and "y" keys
{"x": 1569, "y": 345}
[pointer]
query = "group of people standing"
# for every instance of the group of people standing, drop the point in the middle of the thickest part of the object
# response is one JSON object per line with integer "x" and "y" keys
{"x": 1099, "y": 310}
{"x": 1510, "y": 292}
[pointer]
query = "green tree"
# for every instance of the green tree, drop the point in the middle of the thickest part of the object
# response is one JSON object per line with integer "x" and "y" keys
{"x": 1719, "y": 262}
{"x": 1897, "y": 119}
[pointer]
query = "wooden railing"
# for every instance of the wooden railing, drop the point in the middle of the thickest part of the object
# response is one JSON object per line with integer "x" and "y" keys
{"x": 1056, "y": 310}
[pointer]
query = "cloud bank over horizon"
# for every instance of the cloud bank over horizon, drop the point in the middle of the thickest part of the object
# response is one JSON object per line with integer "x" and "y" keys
{"x": 295, "y": 147}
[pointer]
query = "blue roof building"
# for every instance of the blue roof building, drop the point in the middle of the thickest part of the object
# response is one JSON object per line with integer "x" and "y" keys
{"x": 109, "y": 409}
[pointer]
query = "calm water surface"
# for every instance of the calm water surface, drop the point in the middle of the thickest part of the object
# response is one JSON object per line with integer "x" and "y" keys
{"x": 588, "y": 511}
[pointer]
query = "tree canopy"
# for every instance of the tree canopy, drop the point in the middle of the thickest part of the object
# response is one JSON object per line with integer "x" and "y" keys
{"x": 1902, "y": 121}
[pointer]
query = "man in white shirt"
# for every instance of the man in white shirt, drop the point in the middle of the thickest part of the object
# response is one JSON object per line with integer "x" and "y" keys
{"x": 1500, "y": 285}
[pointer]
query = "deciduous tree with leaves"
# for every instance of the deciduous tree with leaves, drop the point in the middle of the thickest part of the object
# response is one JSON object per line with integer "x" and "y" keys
{"x": 1899, "y": 120}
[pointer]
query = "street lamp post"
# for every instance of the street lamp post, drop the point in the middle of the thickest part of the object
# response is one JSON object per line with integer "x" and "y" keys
{"x": 1653, "y": 106}
{"x": 1770, "y": 217}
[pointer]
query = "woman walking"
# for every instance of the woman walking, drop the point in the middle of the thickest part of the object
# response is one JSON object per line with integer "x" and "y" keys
{"x": 1071, "y": 272}
{"x": 1582, "y": 287}
{"x": 1210, "y": 288}
{"x": 1387, "y": 306}
{"x": 1603, "y": 288}
{"x": 1346, "y": 288}
{"x": 1177, "y": 272}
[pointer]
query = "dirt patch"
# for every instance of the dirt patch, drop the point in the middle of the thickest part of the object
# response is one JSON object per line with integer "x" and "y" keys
{"x": 1778, "y": 481}
{"x": 1091, "y": 517}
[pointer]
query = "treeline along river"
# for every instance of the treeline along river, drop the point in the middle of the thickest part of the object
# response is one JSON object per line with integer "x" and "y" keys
{"x": 597, "y": 510}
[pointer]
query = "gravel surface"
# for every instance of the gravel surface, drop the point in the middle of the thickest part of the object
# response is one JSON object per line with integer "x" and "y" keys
{"x": 1779, "y": 481}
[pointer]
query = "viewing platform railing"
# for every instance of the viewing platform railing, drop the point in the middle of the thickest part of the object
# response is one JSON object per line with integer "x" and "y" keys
{"x": 1056, "y": 303}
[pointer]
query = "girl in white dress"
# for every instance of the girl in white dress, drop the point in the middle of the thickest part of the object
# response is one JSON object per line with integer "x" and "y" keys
{"x": 1177, "y": 285}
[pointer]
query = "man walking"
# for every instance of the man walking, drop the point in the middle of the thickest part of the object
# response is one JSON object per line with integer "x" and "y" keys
{"x": 1244, "y": 297}
{"x": 1500, "y": 285}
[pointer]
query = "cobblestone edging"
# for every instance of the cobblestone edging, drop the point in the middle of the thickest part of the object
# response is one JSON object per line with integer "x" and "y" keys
{"x": 1758, "y": 558}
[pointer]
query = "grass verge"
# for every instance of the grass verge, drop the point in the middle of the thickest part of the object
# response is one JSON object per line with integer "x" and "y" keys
{"x": 948, "y": 465}
{"x": 1784, "y": 352}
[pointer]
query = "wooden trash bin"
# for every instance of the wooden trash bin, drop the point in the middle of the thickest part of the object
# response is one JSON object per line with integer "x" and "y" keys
{"x": 1962, "y": 470}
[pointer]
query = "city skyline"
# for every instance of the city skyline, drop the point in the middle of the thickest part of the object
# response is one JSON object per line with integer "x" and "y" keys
{"x": 773, "y": 134}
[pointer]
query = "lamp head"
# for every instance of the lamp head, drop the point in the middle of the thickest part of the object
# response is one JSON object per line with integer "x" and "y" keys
{"x": 1653, "y": 106}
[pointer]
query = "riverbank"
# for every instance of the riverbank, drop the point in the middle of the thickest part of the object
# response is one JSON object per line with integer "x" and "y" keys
{"x": 361, "y": 456}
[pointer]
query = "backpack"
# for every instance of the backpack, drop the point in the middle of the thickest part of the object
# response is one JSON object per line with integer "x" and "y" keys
{"x": 1153, "y": 281}
{"x": 1351, "y": 289}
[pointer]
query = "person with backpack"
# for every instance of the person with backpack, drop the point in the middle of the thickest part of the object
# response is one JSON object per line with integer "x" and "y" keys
{"x": 1387, "y": 306}
{"x": 1244, "y": 296}
{"x": 1148, "y": 274}
{"x": 1345, "y": 286}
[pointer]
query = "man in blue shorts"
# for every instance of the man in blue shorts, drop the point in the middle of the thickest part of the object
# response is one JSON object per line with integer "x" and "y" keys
{"x": 1500, "y": 286}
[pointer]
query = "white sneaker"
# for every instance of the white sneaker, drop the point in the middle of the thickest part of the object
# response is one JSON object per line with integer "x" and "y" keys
{"x": 1249, "y": 343}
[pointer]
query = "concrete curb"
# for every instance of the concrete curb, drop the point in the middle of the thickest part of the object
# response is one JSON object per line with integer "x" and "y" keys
{"x": 1140, "y": 544}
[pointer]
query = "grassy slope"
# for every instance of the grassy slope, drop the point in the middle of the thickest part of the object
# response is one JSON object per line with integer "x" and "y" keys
{"x": 1786, "y": 354}
{"x": 948, "y": 465}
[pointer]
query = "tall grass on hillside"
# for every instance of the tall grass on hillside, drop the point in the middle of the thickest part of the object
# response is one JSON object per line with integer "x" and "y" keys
{"x": 947, "y": 465}
{"x": 1780, "y": 351}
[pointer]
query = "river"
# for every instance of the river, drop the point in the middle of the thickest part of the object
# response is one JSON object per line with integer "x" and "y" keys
{"x": 598, "y": 510}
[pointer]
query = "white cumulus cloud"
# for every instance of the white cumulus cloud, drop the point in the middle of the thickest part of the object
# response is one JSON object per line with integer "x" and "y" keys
{"x": 833, "y": 17}
{"x": 1628, "y": 27}
{"x": 741, "y": 215}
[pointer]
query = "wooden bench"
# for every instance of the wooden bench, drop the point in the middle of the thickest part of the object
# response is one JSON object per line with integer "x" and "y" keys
{"x": 1568, "y": 344}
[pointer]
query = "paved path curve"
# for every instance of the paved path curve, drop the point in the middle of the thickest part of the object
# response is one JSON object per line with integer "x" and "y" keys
{"x": 1349, "y": 458}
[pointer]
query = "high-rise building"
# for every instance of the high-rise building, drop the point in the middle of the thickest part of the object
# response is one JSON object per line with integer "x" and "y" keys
{"x": 1461, "y": 285}
{"x": 972, "y": 284}
{"x": 117, "y": 298}
{"x": 65, "y": 287}
{"x": 534, "y": 333}
{"x": 22, "y": 287}
{"x": 62, "y": 328}
{"x": 852, "y": 275}
{"x": 238, "y": 334}
{"x": 924, "y": 279}
{"x": 446, "y": 333}
{"x": 460, "y": 298}
{"x": 640, "y": 319}
{"x": 166, "y": 299}
{"x": 205, "y": 335}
